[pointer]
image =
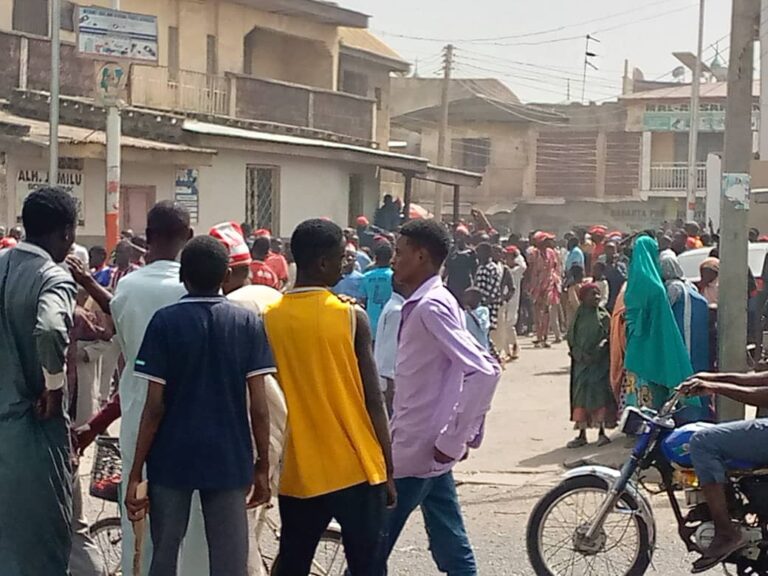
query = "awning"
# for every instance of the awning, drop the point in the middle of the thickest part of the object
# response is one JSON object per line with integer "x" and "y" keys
{"x": 84, "y": 143}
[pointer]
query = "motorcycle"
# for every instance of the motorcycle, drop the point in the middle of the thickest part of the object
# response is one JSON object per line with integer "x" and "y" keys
{"x": 598, "y": 521}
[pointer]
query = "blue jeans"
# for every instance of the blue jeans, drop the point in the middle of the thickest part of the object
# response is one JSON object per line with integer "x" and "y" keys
{"x": 439, "y": 503}
{"x": 741, "y": 441}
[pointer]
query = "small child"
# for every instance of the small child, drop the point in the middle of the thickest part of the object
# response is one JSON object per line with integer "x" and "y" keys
{"x": 204, "y": 360}
{"x": 478, "y": 317}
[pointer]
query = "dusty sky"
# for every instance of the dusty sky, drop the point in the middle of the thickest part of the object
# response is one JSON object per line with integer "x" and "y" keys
{"x": 536, "y": 47}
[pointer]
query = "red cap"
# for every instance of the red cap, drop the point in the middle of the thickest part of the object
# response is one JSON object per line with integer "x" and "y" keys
{"x": 599, "y": 229}
{"x": 362, "y": 221}
{"x": 231, "y": 235}
{"x": 262, "y": 232}
{"x": 512, "y": 250}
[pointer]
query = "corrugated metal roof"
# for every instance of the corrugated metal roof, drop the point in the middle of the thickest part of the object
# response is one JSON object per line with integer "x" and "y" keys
{"x": 711, "y": 90}
{"x": 38, "y": 134}
{"x": 363, "y": 40}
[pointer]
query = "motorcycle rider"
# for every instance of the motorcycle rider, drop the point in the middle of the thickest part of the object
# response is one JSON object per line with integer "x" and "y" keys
{"x": 712, "y": 447}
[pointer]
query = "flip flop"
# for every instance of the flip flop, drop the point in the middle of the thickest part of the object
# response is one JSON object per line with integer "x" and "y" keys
{"x": 603, "y": 441}
{"x": 708, "y": 562}
{"x": 576, "y": 443}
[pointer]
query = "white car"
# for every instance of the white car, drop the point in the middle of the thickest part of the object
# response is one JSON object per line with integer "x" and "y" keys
{"x": 692, "y": 259}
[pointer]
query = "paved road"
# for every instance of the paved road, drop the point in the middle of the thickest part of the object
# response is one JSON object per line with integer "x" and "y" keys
{"x": 521, "y": 459}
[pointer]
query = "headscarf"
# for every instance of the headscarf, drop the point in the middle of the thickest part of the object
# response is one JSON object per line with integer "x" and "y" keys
{"x": 655, "y": 348}
{"x": 711, "y": 264}
{"x": 585, "y": 288}
{"x": 674, "y": 277}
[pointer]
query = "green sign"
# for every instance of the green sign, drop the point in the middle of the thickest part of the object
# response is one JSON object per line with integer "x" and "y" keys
{"x": 680, "y": 121}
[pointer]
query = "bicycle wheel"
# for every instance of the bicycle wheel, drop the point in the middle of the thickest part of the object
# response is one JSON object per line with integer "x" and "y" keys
{"x": 108, "y": 535}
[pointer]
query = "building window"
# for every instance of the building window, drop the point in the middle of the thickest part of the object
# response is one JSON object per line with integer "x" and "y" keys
{"x": 472, "y": 154}
{"x": 67, "y": 16}
{"x": 262, "y": 198}
{"x": 354, "y": 83}
{"x": 211, "y": 56}
{"x": 173, "y": 53}
{"x": 31, "y": 16}
{"x": 377, "y": 95}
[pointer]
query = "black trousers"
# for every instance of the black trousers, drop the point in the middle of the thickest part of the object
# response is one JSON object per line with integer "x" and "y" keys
{"x": 361, "y": 512}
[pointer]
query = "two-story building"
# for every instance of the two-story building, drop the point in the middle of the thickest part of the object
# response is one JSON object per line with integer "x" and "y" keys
{"x": 266, "y": 111}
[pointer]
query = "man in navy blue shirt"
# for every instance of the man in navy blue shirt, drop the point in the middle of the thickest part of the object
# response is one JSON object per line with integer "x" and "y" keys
{"x": 201, "y": 356}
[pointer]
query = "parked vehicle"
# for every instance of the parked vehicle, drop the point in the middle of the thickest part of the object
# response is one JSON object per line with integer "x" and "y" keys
{"x": 692, "y": 259}
{"x": 597, "y": 521}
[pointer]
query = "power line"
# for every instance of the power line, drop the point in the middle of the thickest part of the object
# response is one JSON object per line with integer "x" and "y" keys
{"x": 527, "y": 34}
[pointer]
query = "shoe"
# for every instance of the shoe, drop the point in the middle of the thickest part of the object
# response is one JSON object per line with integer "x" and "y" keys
{"x": 576, "y": 443}
{"x": 706, "y": 562}
{"x": 546, "y": 345}
{"x": 603, "y": 441}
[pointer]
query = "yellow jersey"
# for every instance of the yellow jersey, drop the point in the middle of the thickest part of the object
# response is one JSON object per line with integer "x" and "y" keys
{"x": 331, "y": 443}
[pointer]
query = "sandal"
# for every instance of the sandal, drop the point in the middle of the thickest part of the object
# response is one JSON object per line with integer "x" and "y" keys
{"x": 603, "y": 441}
{"x": 576, "y": 443}
{"x": 708, "y": 562}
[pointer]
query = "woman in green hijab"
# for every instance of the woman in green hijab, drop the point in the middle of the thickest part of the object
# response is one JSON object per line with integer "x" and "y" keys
{"x": 657, "y": 361}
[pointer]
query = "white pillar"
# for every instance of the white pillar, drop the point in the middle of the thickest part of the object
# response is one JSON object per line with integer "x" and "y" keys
{"x": 763, "y": 146}
{"x": 714, "y": 177}
{"x": 645, "y": 162}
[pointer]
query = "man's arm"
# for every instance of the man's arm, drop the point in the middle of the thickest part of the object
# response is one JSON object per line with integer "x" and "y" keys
{"x": 481, "y": 375}
{"x": 154, "y": 409}
{"x": 260, "y": 429}
{"x": 748, "y": 379}
{"x": 752, "y": 395}
{"x": 374, "y": 402}
{"x": 55, "y": 308}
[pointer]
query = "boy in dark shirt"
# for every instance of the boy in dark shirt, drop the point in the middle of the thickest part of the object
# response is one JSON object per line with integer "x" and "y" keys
{"x": 200, "y": 357}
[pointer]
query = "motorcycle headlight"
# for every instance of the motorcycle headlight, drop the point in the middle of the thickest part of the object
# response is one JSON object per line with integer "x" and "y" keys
{"x": 633, "y": 423}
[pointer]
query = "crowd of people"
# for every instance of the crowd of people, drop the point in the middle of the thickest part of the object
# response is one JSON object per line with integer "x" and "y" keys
{"x": 337, "y": 371}
{"x": 347, "y": 370}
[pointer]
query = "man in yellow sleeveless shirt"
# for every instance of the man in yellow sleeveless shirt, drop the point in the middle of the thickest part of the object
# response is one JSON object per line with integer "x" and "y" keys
{"x": 337, "y": 461}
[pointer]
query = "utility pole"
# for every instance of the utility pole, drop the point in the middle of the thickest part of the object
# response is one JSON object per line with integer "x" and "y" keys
{"x": 693, "y": 130}
{"x": 442, "y": 137}
{"x": 112, "y": 199}
{"x": 587, "y": 63}
{"x": 764, "y": 80}
{"x": 53, "y": 113}
{"x": 732, "y": 304}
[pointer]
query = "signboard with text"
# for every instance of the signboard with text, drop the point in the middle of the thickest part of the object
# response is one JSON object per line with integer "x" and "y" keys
{"x": 681, "y": 121}
{"x": 187, "y": 191}
{"x": 71, "y": 179}
{"x": 106, "y": 34}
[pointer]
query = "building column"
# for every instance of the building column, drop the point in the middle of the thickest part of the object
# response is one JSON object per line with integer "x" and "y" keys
{"x": 601, "y": 152}
{"x": 529, "y": 176}
{"x": 645, "y": 162}
{"x": 456, "y": 202}
{"x": 407, "y": 195}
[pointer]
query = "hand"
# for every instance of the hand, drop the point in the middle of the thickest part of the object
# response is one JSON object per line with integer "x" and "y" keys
{"x": 391, "y": 493}
{"x": 260, "y": 493}
{"x": 441, "y": 457}
{"x": 79, "y": 272}
{"x": 136, "y": 507}
{"x": 85, "y": 437}
{"x": 50, "y": 404}
{"x": 696, "y": 387}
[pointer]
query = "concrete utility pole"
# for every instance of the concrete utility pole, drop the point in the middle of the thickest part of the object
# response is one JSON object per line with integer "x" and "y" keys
{"x": 732, "y": 304}
{"x": 442, "y": 137}
{"x": 764, "y": 80}
{"x": 112, "y": 200}
{"x": 53, "y": 113}
{"x": 693, "y": 131}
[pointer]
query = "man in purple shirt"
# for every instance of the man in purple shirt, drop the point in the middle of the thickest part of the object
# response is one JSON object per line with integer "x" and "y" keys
{"x": 444, "y": 384}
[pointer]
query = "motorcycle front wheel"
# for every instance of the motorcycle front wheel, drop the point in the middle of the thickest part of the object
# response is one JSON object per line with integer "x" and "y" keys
{"x": 556, "y": 535}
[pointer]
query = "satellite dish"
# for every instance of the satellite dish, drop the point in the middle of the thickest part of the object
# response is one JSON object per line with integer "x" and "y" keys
{"x": 679, "y": 73}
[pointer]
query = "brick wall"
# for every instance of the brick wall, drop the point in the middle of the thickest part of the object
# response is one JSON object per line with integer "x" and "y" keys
{"x": 272, "y": 102}
{"x": 9, "y": 64}
{"x": 622, "y": 164}
{"x": 77, "y": 74}
{"x": 336, "y": 112}
{"x": 566, "y": 164}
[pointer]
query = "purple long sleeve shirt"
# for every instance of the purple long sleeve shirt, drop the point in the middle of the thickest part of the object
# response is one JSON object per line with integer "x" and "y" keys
{"x": 444, "y": 384}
